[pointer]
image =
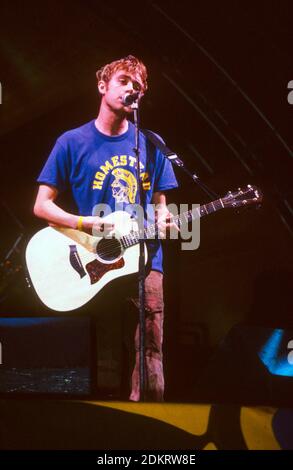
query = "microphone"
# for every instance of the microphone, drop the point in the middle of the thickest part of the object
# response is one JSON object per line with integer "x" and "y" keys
{"x": 130, "y": 98}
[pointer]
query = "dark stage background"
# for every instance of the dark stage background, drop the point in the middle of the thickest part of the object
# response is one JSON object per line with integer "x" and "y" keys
{"x": 218, "y": 87}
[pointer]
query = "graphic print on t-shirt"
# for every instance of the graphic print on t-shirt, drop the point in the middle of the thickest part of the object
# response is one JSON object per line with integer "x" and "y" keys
{"x": 123, "y": 182}
{"x": 124, "y": 186}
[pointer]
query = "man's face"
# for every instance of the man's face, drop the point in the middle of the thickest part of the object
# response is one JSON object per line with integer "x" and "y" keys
{"x": 122, "y": 82}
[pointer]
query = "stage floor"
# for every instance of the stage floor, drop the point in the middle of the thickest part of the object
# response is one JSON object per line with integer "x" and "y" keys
{"x": 75, "y": 424}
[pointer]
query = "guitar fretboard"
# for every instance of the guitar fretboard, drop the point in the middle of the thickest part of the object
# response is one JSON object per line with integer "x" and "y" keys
{"x": 151, "y": 231}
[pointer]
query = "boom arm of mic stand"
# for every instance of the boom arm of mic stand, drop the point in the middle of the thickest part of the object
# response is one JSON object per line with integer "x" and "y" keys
{"x": 175, "y": 160}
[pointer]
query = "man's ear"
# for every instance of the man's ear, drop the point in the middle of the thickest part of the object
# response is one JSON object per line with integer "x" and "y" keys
{"x": 102, "y": 87}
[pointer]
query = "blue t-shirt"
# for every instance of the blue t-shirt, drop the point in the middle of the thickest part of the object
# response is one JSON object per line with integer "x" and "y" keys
{"x": 102, "y": 169}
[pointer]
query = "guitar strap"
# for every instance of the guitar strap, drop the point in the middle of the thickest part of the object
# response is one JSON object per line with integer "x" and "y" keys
{"x": 175, "y": 160}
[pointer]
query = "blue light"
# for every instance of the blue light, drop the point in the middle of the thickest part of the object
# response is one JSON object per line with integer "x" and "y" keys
{"x": 274, "y": 355}
{"x": 27, "y": 321}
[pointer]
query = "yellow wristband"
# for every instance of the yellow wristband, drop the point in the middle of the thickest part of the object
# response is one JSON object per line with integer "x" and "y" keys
{"x": 79, "y": 223}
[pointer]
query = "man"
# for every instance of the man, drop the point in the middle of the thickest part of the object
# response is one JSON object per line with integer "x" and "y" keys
{"x": 96, "y": 161}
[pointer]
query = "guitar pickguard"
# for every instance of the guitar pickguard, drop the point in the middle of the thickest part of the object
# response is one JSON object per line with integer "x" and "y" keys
{"x": 96, "y": 269}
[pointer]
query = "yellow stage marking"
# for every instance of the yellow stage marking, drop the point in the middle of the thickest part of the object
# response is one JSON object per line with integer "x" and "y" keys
{"x": 256, "y": 425}
{"x": 210, "y": 446}
{"x": 191, "y": 418}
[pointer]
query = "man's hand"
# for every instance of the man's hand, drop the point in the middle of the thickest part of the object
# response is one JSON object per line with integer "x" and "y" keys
{"x": 165, "y": 222}
{"x": 97, "y": 226}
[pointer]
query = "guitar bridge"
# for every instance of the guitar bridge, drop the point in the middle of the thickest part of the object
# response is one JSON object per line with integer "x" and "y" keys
{"x": 75, "y": 261}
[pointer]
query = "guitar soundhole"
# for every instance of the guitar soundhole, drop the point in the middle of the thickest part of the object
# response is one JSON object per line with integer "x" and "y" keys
{"x": 109, "y": 249}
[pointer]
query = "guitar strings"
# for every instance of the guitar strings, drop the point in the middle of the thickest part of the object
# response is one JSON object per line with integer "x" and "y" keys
{"x": 109, "y": 249}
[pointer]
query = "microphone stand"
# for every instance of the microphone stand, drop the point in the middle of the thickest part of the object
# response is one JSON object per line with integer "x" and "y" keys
{"x": 141, "y": 263}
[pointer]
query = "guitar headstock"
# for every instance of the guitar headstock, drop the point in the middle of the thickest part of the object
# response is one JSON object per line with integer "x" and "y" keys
{"x": 242, "y": 197}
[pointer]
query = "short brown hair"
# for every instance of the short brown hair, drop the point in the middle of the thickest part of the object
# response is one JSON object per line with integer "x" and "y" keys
{"x": 130, "y": 63}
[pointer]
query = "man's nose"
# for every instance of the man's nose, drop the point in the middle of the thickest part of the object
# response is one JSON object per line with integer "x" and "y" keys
{"x": 129, "y": 87}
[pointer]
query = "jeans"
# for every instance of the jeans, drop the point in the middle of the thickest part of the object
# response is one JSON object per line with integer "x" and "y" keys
{"x": 154, "y": 316}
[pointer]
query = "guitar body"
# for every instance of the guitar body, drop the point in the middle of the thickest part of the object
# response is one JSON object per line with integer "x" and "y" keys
{"x": 68, "y": 267}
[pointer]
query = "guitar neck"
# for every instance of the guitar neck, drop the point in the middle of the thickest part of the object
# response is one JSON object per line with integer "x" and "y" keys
{"x": 150, "y": 232}
{"x": 200, "y": 211}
